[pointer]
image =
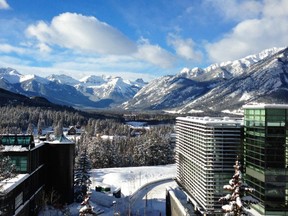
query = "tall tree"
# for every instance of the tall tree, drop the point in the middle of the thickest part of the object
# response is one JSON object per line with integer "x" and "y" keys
{"x": 30, "y": 129}
{"x": 7, "y": 168}
{"x": 237, "y": 201}
{"x": 82, "y": 176}
{"x": 58, "y": 130}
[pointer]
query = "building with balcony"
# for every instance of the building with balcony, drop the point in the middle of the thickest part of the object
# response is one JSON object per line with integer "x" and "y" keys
{"x": 40, "y": 168}
{"x": 266, "y": 156}
{"x": 206, "y": 149}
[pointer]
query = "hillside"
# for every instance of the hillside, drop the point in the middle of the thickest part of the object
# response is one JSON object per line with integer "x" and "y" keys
{"x": 223, "y": 87}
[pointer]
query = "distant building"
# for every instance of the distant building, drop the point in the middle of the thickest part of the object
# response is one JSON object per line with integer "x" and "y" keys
{"x": 74, "y": 130}
{"x": 266, "y": 156}
{"x": 41, "y": 167}
{"x": 206, "y": 149}
{"x": 71, "y": 131}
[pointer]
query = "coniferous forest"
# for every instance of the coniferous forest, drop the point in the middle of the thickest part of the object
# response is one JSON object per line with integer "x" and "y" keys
{"x": 121, "y": 148}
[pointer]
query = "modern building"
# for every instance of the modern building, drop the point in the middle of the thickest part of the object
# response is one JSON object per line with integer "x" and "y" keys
{"x": 40, "y": 168}
{"x": 206, "y": 150}
{"x": 266, "y": 156}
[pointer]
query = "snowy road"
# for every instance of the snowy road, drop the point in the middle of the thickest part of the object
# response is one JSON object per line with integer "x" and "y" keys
{"x": 150, "y": 200}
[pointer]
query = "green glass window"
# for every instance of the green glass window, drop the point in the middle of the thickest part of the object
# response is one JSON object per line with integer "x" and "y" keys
{"x": 20, "y": 163}
{"x": 23, "y": 140}
{"x": 279, "y": 112}
{"x": 8, "y": 140}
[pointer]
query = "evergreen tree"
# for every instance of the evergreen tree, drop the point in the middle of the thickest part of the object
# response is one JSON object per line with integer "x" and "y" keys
{"x": 237, "y": 202}
{"x": 7, "y": 168}
{"x": 58, "y": 130}
{"x": 82, "y": 176}
{"x": 30, "y": 129}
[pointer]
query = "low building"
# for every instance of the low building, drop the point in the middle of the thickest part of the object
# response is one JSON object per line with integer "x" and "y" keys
{"x": 40, "y": 168}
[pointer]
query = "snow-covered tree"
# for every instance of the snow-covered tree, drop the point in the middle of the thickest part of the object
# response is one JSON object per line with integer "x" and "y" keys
{"x": 7, "y": 168}
{"x": 58, "y": 130}
{"x": 30, "y": 128}
{"x": 237, "y": 202}
{"x": 82, "y": 176}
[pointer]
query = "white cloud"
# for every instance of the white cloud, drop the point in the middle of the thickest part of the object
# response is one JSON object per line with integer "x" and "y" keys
{"x": 155, "y": 54}
{"x": 7, "y": 48}
{"x": 253, "y": 35}
{"x": 91, "y": 36}
{"x": 4, "y": 5}
{"x": 236, "y": 9}
{"x": 275, "y": 8}
{"x": 82, "y": 33}
{"x": 184, "y": 47}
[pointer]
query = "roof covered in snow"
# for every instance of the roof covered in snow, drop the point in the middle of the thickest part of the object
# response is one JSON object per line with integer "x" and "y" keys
{"x": 61, "y": 140}
{"x": 212, "y": 120}
{"x": 263, "y": 106}
{"x": 10, "y": 184}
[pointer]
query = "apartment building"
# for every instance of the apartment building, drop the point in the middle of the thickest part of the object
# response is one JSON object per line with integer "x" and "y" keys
{"x": 206, "y": 149}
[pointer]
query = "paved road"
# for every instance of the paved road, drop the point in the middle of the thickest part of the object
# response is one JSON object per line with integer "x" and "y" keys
{"x": 150, "y": 200}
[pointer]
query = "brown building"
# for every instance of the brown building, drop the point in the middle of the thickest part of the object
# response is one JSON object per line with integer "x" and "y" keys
{"x": 43, "y": 167}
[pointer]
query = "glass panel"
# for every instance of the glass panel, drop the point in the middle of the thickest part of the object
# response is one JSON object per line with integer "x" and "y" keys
{"x": 20, "y": 163}
{"x": 280, "y": 112}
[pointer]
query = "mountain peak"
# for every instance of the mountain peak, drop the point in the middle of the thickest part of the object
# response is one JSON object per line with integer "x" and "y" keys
{"x": 93, "y": 80}
{"x": 63, "y": 79}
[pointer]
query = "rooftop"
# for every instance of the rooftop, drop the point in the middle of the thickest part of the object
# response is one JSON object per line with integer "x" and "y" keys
{"x": 16, "y": 142}
{"x": 213, "y": 120}
{"x": 9, "y": 184}
{"x": 263, "y": 106}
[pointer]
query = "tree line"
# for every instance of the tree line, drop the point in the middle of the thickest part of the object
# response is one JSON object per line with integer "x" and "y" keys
{"x": 121, "y": 149}
{"x": 153, "y": 147}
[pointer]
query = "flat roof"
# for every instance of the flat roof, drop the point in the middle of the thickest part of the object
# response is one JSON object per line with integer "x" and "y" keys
{"x": 263, "y": 106}
{"x": 10, "y": 183}
{"x": 212, "y": 120}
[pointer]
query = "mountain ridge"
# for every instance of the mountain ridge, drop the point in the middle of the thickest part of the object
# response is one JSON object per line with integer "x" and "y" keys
{"x": 90, "y": 91}
{"x": 213, "y": 83}
{"x": 219, "y": 88}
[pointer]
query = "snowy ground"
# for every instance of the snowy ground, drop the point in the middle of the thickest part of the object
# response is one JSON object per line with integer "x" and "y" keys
{"x": 149, "y": 200}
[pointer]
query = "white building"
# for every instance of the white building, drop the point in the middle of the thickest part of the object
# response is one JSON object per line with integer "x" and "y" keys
{"x": 206, "y": 149}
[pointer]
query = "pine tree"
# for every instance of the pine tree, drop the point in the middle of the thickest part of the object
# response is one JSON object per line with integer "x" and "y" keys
{"x": 7, "y": 168}
{"x": 30, "y": 129}
{"x": 82, "y": 176}
{"x": 58, "y": 130}
{"x": 237, "y": 202}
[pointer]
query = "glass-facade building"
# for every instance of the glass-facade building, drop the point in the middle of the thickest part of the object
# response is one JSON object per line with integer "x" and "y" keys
{"x": 266, "y": 156}
{"x": 206, "y": 150}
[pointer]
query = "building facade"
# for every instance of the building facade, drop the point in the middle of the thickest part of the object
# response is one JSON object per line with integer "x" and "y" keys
{"x": 40, "y": 168}
{"x": 266, "y": 156}
{"x": 21, "y": 195}
{"x": 206, "y": 149}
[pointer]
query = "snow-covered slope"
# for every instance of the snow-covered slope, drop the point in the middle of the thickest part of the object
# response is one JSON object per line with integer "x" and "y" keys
{"x": 263, "y": 82}
{"x": 114, "y": 88}
{"x": 218, "y": 86}
{"x": 223, "y": 86}
{"x": 167, "y": 92}
{"x": 90, "y": 91}
{"x": 63, "y": 79}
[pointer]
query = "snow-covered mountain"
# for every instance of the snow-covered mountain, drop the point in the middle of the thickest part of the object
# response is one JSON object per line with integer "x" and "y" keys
{"x": 91, "y": 91}
{"x": 266, "y": 81}
{"x": 113, "y": 88}
{"x": 219, "y": 87}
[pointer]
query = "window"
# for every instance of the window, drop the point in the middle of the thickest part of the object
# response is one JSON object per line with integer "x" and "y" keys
{"x": 19, "y": 200}
{"x": 20, "y": 163}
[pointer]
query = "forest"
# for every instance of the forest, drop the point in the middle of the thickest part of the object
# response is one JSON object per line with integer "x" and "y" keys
{"x": 152, "y": 147}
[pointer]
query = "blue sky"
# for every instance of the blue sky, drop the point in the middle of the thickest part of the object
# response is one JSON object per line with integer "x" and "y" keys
{"x": 135, "y": 38}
